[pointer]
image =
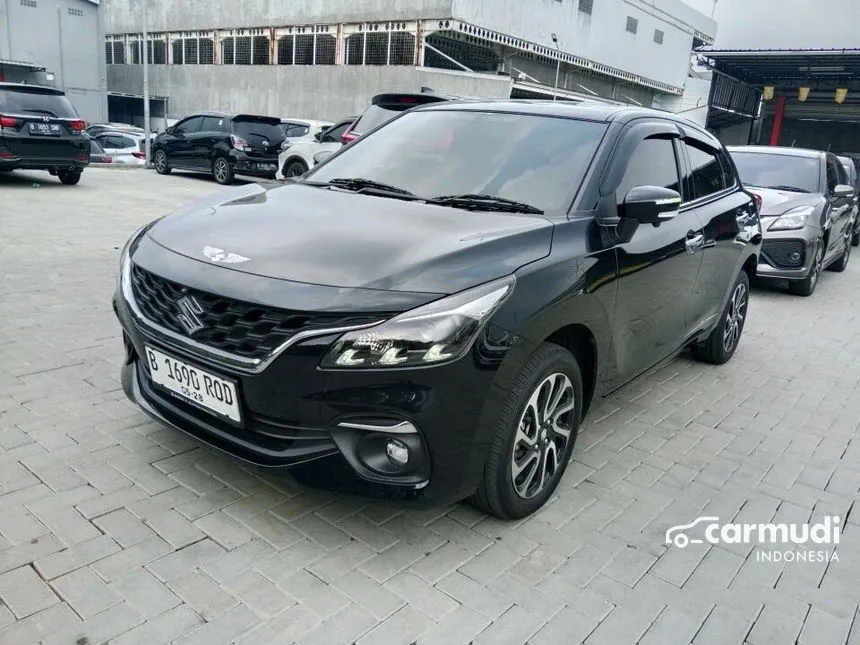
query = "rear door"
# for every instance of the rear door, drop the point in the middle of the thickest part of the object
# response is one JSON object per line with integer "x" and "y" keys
{"x": 714, "y": 191}
{"x": 40, "y": 124}
{"x": 212, "y": 130}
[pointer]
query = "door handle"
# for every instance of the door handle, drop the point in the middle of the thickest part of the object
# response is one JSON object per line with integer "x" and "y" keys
{"x": 694, "y": 241}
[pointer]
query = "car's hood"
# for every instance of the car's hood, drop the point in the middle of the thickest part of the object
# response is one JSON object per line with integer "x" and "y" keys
{"x": 342, "y": 239}
{"x": 777, "y": 202}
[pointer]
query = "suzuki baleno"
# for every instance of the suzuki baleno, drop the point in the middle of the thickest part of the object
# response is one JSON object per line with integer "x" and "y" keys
{"x": 429, "y": 313}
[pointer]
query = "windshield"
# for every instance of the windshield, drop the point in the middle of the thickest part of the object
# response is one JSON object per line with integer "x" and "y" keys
{"x": 765, "y": 170}
{"x": 536, "y": 160}
{"x": 29, "y": 101}
{"x": 256, "y": 131}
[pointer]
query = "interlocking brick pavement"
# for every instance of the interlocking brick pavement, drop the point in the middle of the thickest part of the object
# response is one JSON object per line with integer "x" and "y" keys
{"x": 114, "y": 529}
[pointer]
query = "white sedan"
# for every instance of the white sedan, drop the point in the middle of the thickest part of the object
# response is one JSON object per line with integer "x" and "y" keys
{"x": 123, "y": 147}
{"x": 297, "y": 157}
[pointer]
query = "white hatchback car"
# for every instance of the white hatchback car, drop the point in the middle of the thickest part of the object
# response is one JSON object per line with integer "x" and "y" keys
{"x": 123, "y": 147}
{"x": 303, "y": 129}
{"x": 297, "y": 157}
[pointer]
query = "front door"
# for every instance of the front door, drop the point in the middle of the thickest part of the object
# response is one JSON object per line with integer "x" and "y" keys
{"x": 657, "y": 268}
{"x": 178, "y": 144}
{"x": 841, "y": 209}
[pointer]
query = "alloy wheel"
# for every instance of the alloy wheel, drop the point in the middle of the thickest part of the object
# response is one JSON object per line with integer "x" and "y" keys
{"x": 542, "y": 435}
{"x": 222, "y": 171}
{"x": 735, "y": 317}
{"x": 160, "y": 161}
{"x": 816, "y": 266}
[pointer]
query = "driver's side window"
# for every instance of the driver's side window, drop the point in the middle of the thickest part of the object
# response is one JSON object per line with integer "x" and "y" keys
{"x": 653, "y": 163}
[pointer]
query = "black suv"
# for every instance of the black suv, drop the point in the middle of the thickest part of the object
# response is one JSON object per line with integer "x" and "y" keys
{"x": 432, "y": 321}
{"x": 40, "y": 130}
{"x": 384, "y": 107}
{"x": 222, "y": 144}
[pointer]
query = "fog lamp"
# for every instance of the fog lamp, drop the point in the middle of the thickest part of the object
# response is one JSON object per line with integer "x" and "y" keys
{"x": 398, "y": 452}
{"x": 794, "y": 257}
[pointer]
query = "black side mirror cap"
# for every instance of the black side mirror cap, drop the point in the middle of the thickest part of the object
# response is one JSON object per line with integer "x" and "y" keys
{"x": 650, "y": 204}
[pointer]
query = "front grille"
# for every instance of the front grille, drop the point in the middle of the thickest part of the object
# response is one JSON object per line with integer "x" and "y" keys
{"x": 233, "y": 326}
{"x": 777, "y": 253}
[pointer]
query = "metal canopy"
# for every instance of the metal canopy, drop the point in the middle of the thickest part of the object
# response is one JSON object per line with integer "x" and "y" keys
{"x": 819, "y": 69}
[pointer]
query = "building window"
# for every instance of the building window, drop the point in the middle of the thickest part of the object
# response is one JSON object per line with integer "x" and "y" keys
{"x": 307, "y": 49}
{"x": 29, "y": 3}
{"x": 585, "y": 6}
{"x": 76, "y": 12}
{"x": 245, "y": 50}
{"x": 632, "y": 25}
{"x": 192, "y": 51}
{"x": 658, "y": 36}
{"x": 379, "y": 48}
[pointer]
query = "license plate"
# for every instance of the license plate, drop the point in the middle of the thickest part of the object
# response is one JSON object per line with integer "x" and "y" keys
{"x": 214, "y": 393}
{"x": 45, "y": 129}
{"x": 266, "y": 166}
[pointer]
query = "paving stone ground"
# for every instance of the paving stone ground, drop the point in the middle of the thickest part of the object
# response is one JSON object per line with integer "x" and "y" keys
{"x": 115, "y": 529}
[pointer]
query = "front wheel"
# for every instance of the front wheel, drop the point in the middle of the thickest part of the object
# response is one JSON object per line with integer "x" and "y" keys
{"x": 720, "y": 346}
{"x": 69, "y": 177}
{"x": 295, "y": 168}
{"x": 159, "y": 160}
{"x": 535, "y": 432}
{"x": 222, "y": 171}
{"x": 806, "y": 287}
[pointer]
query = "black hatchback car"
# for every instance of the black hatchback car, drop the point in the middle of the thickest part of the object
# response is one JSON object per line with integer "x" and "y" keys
{"x": 41, "y": 130}
{"x": 221, "y": 144}
{"x": 432, "y": 321}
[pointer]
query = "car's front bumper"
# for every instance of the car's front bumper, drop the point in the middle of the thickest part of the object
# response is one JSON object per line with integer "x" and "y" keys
{"x": 787, "y": 255}
{"x": 325, "y": 427}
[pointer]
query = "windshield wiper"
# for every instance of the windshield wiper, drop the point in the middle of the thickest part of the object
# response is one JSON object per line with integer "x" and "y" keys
{"x": 37, "y": 111}
{"x": 359, "y": 185}
{"x": 485, "y": 203}
{"x": 793, "y": 189}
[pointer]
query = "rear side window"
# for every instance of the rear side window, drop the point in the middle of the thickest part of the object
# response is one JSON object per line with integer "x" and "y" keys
{"x": 258, "y": 130}
{"x": 707, "y": 173}
{"x": 213, "y": 124}
{"x": 31, "y": 101}
{"x": 653, "y": 163}
{"x": 295, "y": 129}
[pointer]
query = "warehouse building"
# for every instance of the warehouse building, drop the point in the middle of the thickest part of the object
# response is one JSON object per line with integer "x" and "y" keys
{"x": 57, "y": 43}
{"x": 327, "y": 58}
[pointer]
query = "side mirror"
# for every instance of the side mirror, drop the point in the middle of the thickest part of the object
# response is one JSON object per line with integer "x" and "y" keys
{"x": 843, "y": 190}
{"x": 650, "y": 204}
{"x": 322, "y": 155}
{"x": 318, "y": 136}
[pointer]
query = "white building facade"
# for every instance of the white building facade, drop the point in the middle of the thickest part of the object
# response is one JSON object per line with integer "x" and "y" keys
{"x": 327, "y": 58}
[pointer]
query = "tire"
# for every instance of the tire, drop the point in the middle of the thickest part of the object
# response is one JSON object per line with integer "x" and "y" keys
{"x": 842, "y": 263}
{"x": 855, "y": 239}
{"x": 806, "y": 287}
{"x": 69, "y": 177}
{"x": 222, "y": 171}
{"x": 502, "y": 493}
{"x": 720, "y": 346}
{"x": 295, "y": 168}
{"x": 159, "y": 160}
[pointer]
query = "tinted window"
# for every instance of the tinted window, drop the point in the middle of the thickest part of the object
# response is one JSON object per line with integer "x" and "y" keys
{"x": 256, "y": 130}
{"x": 707, "y": 173}
{"x": 835, "y": 173}
{"x": 95, "y": 148}
{"x": 728, "y": 172}
{"x": 125, "y": 142}
{"x": 763, "y": 170}
{"x": 295, "y": 130}
{"x": 533, "y": 159}
{"x": 652, "y": 164}
{"x": 109, "y": 141}
{"x": 375, "y": 116}
{"x": 335, "y": 133}
{"x": 213, "y": 124}
{"x": 31, "y": 101}
{"x": 191, "y": 125}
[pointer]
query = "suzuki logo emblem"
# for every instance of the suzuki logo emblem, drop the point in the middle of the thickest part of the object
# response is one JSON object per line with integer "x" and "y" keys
{"x": 189, "y": 308}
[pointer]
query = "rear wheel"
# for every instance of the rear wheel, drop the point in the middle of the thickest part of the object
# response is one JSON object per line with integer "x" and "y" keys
{"x": 159, "y": 160}
{"x": 69, "y": 177}
{"x": 720, "y": 346}
{"x": 842, "y": 263}
{"x": 295, "y": 168}
{"x": 222, "y": 171}
{"x": 806, "y": 287}
{"x": 535, "y": 432}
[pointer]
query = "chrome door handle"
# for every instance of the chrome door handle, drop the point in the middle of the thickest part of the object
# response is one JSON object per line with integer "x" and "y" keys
{"x": 694, "y": 241}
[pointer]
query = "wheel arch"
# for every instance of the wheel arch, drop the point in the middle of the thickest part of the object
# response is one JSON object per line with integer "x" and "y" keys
{"x": 579, "y": 340}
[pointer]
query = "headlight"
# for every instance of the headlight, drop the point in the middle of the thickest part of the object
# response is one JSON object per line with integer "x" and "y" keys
{"x": 441, "y": 331}
{"x": 129, "y": 247}
{"x": 791, "y": 220}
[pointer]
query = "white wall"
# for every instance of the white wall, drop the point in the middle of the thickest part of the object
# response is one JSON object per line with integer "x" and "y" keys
{"x": 323, "y": 92}
{"x": 601, "y": 36}
{"x": 123, "y": 16}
